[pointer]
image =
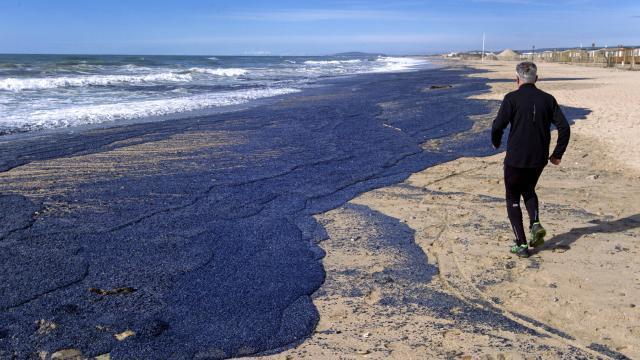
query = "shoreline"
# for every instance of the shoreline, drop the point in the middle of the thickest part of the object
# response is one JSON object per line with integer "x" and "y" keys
{"x": 173, "y": 88}
{"x": 454, "y": 213}
{"x": 161, "y": 208}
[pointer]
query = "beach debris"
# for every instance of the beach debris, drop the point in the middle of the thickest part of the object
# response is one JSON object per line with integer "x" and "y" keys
{"x": 437, "y": 87}
{"x": 362, "y": 352}
{"x": 366, "y": 335}
{"x": 451, "y": 332}
{"x": 555, "y": 299}
{"x": 453, "y": 354}
{"x": 632, "y": 305}
{"x": 593, "y": 177}
{"x": 122, "y": 290}
{"x": 67, "y": 354}
{"x": 533, "y": 264}
{"x": 553, "y": 286}
{"x": 392, "y": 127}
{"x": 106, "y": 356}
{"x": 45, "y": 326}
{"x": 619, "y": 248}
{"x": 456, "y": 310}
{"x": 123, "y": 335}
{"x": 510, "y": 265}
{"x": 561, "y": 248}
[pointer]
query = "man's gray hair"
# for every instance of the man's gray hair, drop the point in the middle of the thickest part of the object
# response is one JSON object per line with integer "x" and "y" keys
{"x": 527, "y": 72}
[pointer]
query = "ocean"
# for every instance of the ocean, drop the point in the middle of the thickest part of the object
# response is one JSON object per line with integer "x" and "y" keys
{"x": 58, "y": 91}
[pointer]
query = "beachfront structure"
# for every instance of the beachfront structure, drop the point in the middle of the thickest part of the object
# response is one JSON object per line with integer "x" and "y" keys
{"x": 622, "y": 56}
{"x": 626, "y": 57}
{"x": 508, "y": 54}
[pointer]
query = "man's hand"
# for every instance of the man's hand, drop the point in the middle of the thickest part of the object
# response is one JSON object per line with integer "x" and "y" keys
{"x": 555, "y": 161}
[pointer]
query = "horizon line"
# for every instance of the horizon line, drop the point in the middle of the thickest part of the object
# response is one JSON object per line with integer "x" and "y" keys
{"x": 251, "y": 55}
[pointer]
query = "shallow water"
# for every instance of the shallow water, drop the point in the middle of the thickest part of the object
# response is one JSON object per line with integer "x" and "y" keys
{"x": 54, "y": 91}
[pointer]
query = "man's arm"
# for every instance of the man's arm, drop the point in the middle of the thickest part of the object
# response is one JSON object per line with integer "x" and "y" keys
{"x": 564, "y": 133}
{"x": 501, "y": 121}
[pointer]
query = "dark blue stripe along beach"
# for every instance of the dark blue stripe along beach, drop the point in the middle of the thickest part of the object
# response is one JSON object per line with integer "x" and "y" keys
{"x": 198, "y": 234}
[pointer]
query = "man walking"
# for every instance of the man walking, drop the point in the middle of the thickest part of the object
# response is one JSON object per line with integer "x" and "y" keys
{"x": 530, "y": 112}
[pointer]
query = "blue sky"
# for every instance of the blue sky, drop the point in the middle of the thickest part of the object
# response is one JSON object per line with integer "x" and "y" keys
{"x": 309, "y": 27}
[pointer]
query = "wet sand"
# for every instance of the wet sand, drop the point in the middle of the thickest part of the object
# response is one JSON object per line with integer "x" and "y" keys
{"x": 195, "y": 238}
{"x": 395, "y": 254}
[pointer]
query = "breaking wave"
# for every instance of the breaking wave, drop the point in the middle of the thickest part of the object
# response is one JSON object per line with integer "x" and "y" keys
{"x": 16, "y": 84}
{"x": 332, "y": 62}
{"x": 220, "y": 71}
{"x": 391, "y": 64}
{"x": 93, "y": 114}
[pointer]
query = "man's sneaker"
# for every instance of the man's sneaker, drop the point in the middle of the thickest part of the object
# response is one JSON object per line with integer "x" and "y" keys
{"x": 521, "y": 250}
{"x": 537, "y": 235}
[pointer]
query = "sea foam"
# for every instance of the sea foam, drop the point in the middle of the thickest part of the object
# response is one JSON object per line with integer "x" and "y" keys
{"x": 392, "y": 64}
{"x": 93, "y": 114}
{"x": 332, "y": 62}
{"x": 16, "y": 84}
{"x": 219, "y": 71}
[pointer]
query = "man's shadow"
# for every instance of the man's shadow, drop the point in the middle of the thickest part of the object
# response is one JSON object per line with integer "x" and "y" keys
{"x": 564, "y": 241}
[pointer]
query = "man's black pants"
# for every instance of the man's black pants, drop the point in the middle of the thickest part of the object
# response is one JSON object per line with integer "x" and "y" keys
{"x": 521, "y": 182}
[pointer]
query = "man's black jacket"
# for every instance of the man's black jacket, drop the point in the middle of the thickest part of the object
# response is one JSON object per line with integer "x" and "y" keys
{"x": 530, "y": 111}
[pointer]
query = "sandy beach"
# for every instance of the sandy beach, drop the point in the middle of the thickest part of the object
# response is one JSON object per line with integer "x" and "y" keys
{"x": 308, "y": 227}
{"x": 444, "y": 231}
{"x": 283, "y": 180}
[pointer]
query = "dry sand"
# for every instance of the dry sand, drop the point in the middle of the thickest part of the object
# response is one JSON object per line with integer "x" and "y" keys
{"x": 580, "y": 294}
